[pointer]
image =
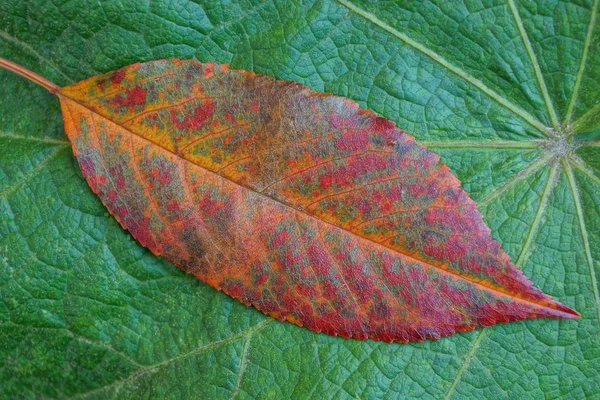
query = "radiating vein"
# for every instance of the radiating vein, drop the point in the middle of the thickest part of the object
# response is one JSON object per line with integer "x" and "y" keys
{"x": 584, "y": 234}
{"x": 533, "y": 121}
{"x": 538, "y": 215}
{"x": 480, "y": 144}
{"x": 536, "y": 66}
{"x": 584, "y": 55}
{"x": 533, "y": 167}
{"x": 465, "y": 364}
{"x": 581, "y": 120}
{"x": 243, "y": 366}
{"x": 34, "y": 52}
{"x": 155, "y": 367}
{"x": 591, "y": 144}
{"x": 33, "y": 172}
{"x": 583, "y": 167}
{"x": 9, "y": 135}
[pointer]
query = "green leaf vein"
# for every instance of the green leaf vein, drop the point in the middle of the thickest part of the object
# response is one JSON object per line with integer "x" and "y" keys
{"x": 36, "y": 54}
{"x": 530, "y": 119}
{"x": 586, "y": 47}
{"x": 33, "y": 172}
{"x": 535, "y": 64}
{"x": 552, "y": 179}
{"x": 156, "y": 367}
{"x": 584, "y": 234}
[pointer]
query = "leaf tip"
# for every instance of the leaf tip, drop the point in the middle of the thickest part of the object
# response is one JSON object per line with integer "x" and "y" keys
{"x": 559, "y": 310}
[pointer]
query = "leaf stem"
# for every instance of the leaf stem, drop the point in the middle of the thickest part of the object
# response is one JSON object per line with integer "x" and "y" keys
{"x": 32, "y": 76}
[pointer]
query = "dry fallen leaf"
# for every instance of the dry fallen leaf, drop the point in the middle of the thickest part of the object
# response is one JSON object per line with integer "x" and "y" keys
{"x": 298, "y": 203}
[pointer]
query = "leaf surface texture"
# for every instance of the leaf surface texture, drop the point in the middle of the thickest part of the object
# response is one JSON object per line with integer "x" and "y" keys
{"x": 87, "y": 312}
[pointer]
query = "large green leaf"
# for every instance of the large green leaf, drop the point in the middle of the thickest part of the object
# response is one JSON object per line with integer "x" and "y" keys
{"x": 498, "y": 87}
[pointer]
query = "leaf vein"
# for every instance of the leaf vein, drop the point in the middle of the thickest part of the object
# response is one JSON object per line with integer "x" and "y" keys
{"x": 243, "y": 366}
{"x": 533, "y": 167}
{"x": 154, "y": 368}
{"x": 465, "y": 364}
{"x": 33, "y": 172}
{"x": 530, "y": 119}
{"x": 8, "y": 135}
{"x": 535, "y": 64}
{"x": 552, "y": 178}
{"x": 586, "y": 47}
{"x": 480, "y": 144}
{"x": 34, "y": 52}
{"x": 584, "y": 234}
{"x": 583, "y": 167}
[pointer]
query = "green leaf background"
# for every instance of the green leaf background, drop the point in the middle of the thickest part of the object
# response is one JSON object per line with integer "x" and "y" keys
{"x": 499, "y": 88}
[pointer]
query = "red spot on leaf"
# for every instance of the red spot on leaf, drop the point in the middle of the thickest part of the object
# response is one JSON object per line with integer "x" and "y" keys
{"x": 133, "y": 97}
{"x": 161, "y": 174}
{"x": 112, "y": 195}
{"x": 196, "y": 120}
{"x": 118, "y": 76}
{"x": 325, "y": 181}
{"x": 229, "y": 117}
{"x": 173, "y": 205}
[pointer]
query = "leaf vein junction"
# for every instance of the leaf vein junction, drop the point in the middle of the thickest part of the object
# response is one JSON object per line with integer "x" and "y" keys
{"x": 154, "y": 368}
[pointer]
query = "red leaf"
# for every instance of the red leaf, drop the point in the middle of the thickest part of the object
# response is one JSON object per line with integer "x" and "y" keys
{"x": 296, "y": 202}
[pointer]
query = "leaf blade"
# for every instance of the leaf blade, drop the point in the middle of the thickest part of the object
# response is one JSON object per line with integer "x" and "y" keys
{"x": 331, "y": 248}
